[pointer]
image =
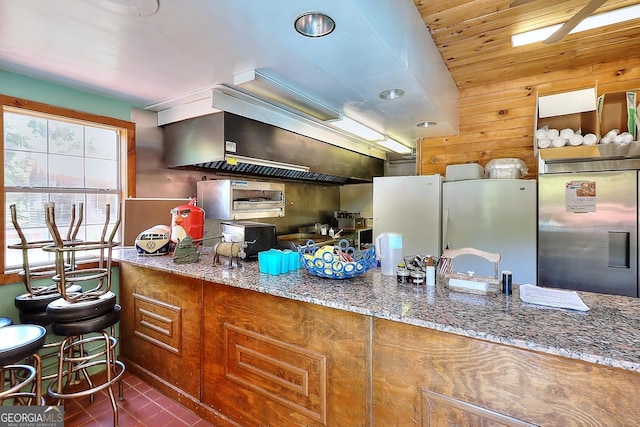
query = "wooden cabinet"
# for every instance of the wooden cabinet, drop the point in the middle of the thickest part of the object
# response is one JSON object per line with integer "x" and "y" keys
{"x": 161, "y": 325}
{"x": 273, "y": 361}
{"x": 424, "y": 377}
{"x": 244, "y": 358}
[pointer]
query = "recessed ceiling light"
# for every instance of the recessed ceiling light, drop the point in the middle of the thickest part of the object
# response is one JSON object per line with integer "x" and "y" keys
{"x": 390, "y": 94}
{"x": 131, "y": 7}
{"x": 426, "y": 124}
{"x": 314, "y": 24}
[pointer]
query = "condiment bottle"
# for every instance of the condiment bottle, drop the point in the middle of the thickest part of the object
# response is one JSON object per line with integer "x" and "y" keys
{"x": 417, "y": 277}
{"x": 403, "y": 275}
{"x": 431, "y": 271}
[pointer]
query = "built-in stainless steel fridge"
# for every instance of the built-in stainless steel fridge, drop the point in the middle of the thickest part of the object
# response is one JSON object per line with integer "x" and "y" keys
{"x": 588, "y": 231}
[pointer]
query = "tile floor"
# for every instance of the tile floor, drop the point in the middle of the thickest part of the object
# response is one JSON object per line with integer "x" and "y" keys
{"x": 142, "y": 406}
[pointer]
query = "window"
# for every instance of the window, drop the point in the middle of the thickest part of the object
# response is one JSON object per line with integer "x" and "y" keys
{"x": 66, "y": 160}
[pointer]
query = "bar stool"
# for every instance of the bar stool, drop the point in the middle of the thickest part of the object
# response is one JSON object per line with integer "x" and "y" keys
{"x": 32, "y": 304}
{"x": 18, "y": 342}
{"x": 86, "y": 319}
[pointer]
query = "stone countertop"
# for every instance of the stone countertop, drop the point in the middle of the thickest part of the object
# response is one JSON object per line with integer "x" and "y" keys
{"x": 608, "y": 334}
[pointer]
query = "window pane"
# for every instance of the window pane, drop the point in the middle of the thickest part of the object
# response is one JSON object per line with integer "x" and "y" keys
{"x": 96, "y": 209}
{"x": 65, "y": 138}
{"x": 25, "y": 169}
{"x": 30, "y": 218}
{"x": 101, "y": 174}
{"x": 29, "y": 209}
{"x": 66, "y": 171}
{"x": 101, "y": 143}
{"x": 66, "y": 162}
{"x": 25, "y": 132}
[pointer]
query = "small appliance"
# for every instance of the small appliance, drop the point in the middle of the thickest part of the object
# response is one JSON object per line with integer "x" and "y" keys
{"x": 257, "y": 236}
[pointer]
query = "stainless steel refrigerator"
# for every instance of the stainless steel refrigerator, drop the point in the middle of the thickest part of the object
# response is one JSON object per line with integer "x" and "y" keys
{"x": 410, "y": 205}
{"x": 588, "y": 231}
{"x": 493, "y": 215}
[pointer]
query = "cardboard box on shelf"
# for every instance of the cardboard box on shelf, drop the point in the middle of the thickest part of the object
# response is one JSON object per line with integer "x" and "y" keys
{"x": 616, "y": 112}
{"x": 575, "y": 110}
{"x": 585, "y": 122}
{"x": 579, "y": 152}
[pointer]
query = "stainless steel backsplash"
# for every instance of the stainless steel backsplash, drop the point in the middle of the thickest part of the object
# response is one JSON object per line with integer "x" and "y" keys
{"x": 307, "y": 203}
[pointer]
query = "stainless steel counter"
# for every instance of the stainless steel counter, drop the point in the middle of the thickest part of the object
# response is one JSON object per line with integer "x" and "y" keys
{"x": 609, "y": 334}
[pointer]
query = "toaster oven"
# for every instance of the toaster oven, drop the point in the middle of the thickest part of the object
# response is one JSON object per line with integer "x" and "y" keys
{"x": 258, "y": 236}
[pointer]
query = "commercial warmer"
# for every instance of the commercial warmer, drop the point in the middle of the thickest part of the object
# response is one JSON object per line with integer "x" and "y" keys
{"x": 588, "y": 231}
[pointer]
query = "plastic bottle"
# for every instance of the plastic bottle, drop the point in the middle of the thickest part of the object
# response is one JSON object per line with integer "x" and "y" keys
{"x": 389, "y": 250}
{"x": 431, "y": 272}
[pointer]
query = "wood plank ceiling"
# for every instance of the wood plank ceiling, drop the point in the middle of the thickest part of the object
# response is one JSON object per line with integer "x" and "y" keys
{"x": 474, "y": 38}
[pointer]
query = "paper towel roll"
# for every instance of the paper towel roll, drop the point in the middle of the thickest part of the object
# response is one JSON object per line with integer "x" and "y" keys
{"x": 566, "y": 133}
{"x": 558, "y": 142}
{"x": 623, "y": 138}
{"x": 575, "y": 140}
{"x": 589, "y": 139}
{"x": 544, "y": 143}
{"x": 553, "y": 133}
{"x": 541, "y": 134}
{"x": 612, "y": 133}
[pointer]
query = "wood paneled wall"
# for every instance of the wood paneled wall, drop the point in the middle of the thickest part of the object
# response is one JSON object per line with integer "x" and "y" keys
{"x": 498, "y": 120}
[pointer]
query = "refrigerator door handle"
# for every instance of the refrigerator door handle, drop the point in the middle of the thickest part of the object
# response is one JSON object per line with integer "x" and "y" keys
{"x": 619, "y": 249}
{"x": 445, "y": 227}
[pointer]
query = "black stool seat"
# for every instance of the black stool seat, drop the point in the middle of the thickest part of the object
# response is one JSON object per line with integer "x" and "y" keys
{"x": 62, "y": 311}
{"x": 20, "y": 341}
{"x": 87, "y": 326}
{"x": 37, "y": 303}
{"x": 5, "y": 321}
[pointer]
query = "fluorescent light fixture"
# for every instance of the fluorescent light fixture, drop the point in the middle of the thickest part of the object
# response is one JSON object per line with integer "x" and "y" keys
{"x": 231, "y": 159}
{"x": 394, "y": 145}
{"x": 351, "y": 126}
{"x": 268, "y": 89}
{"x": 589, "y": 23}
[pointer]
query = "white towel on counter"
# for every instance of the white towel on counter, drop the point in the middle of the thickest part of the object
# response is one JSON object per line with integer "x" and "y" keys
{"x": 589, "y": 139}
{"x": 558, "y": 142}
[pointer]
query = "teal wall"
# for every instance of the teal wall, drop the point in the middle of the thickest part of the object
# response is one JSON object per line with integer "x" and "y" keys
{"x": 40, "y": 91}
{"x": 49, "y": 93}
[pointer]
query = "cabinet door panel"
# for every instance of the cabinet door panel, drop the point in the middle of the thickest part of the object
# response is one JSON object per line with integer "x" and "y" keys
{"x": 465, "y": 378}
{"x": 274, "y": 361}
{"x": 160, "y": 325}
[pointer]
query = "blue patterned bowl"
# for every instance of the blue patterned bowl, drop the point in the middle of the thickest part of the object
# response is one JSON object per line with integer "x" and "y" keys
{"x": 336, "y": 262}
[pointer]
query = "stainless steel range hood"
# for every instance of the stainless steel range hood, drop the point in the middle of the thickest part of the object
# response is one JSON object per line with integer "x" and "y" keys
{"x": 233, "y": 145}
